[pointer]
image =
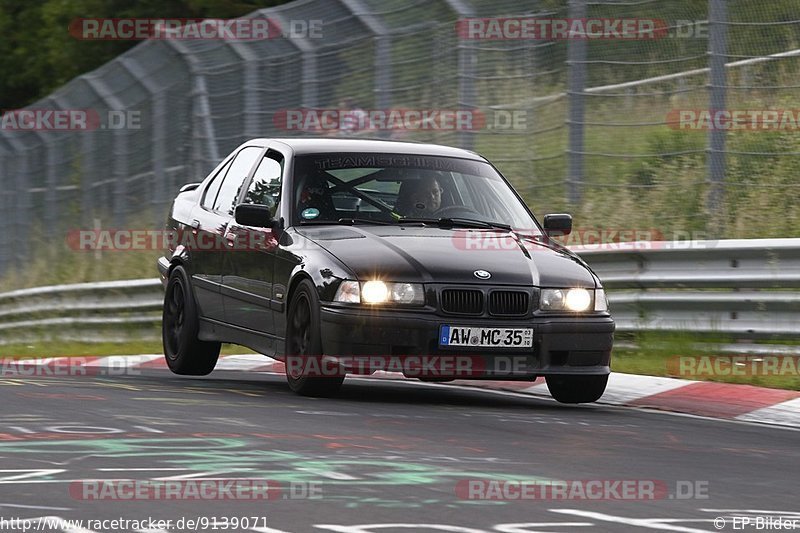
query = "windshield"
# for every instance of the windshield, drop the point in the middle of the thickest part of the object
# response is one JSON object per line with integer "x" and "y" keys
{"x": 392, "y": 188}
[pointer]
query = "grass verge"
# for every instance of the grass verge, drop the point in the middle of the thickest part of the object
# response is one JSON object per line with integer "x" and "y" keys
{"x": 657, "y": 355}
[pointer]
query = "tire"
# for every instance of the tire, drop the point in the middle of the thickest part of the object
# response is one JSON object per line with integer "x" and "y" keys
{"x": 303, "y": 338}
{"x": 576, "y": 389}
{"x": 184, "y": 352}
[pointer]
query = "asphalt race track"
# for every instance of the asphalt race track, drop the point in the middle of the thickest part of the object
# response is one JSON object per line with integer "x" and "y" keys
{"x": 382, "y": 452}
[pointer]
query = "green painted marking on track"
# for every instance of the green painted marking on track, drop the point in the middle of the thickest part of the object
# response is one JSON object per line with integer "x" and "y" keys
{"x": 225, "y": 454}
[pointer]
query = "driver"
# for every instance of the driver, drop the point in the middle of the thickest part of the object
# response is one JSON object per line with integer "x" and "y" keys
{"x": 419, "y": 199}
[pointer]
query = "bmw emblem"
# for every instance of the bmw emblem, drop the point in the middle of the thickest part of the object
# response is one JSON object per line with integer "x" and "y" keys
{"x": 482, "y": 274}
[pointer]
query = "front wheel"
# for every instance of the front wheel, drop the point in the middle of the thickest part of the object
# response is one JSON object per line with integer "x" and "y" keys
{"x": 576, "y": 389}
{"x": 185, "y": 353}
{"x": 304, "y": 346}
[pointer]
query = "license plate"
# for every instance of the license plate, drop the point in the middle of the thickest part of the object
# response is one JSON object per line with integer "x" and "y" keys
{"x": 477, "y": 337}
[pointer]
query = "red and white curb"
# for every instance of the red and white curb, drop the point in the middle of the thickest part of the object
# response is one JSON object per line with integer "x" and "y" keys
{"x": 704, "y": 398}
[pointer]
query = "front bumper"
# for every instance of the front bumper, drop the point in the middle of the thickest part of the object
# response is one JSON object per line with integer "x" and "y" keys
{"x": 561, "y": 345}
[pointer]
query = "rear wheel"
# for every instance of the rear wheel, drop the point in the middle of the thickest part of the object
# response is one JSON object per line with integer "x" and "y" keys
{"x": 576, "y": 389}
{"x": 304, "y": 345}
{"x": 185, "y": 353}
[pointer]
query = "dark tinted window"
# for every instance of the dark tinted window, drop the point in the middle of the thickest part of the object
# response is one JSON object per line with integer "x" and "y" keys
{"x": 388, "y": 187}
{"x": 265, "y": 189}
{"x": 211, "y": 193}
{"x": 234, "y": 179}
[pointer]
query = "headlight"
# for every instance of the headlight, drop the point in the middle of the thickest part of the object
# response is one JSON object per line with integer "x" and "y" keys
{"x": 575, "y": 300}
{"x": 407, "y": 293}
{"x": 374, "y": 292}
{"x": 578, "y": 300}
{"x": 380, "y": 292}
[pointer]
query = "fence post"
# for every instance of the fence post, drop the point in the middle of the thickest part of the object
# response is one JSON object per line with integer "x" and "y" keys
{"x": 22, "y": 200}
{"x": 201, "y": 108}
{"x": 16, "y": 184}
{"x": 6, "y": 201}
{"x": 467, "y": 66}
{"x": 120, "y": 151}
{"x": 56, "y": 168}
{"x": 576, "y": 83}
{"x": 251, "y": 103}
{"x": 308, "y": 69}
{"x": 717, "y": 46}
{"x": 51, "y": 210}
{"x": 158, "y": 115}
{"x": 88, "y": 200}
{"x": 382, "y": 65}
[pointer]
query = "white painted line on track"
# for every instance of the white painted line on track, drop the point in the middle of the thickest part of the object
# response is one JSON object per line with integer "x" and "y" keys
{"x": 785, "y": 414}
{"x": 647, "y": 523}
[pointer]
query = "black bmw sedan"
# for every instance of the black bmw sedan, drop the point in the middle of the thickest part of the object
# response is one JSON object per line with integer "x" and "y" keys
{"x": 355, "y": 256}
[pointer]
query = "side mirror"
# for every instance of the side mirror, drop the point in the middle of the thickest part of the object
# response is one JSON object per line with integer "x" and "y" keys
{"x": 189, "y": 187}
{"x": 258, "y": 216}
{"x": 558, "y": 225}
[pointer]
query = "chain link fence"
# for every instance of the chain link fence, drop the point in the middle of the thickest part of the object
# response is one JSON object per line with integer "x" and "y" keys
{"x": 596, "y": 133}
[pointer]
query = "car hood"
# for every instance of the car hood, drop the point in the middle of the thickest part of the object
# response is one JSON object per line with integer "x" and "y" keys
{"x": 441, "y": 255}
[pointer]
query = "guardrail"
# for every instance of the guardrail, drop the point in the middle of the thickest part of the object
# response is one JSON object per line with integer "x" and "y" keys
{"x": 738, "y": 288}
{"x": 109, "y": 311}
{"x": 745, "y": 289}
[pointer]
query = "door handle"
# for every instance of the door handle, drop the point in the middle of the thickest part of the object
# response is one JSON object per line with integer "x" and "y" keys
{"x": 195, "y": 226}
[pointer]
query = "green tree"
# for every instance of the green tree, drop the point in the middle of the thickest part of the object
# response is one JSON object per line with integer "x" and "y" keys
{"x": 38, "y": 54}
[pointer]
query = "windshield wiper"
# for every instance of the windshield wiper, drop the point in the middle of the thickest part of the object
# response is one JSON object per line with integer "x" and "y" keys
{"x": 344, "y": 221}
{"x": 450, "y": 222}
{"x": 316, "y": 222}
{"x": 353, "y": 221}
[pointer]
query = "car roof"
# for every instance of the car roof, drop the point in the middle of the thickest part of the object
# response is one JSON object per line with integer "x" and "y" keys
{"x": 323, "y": 145}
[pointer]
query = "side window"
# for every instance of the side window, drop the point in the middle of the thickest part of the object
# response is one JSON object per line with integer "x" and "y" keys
{"x": 212, "y": 190}
{"x": 265, "y": 189}
{"x": 234, "y": 179}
